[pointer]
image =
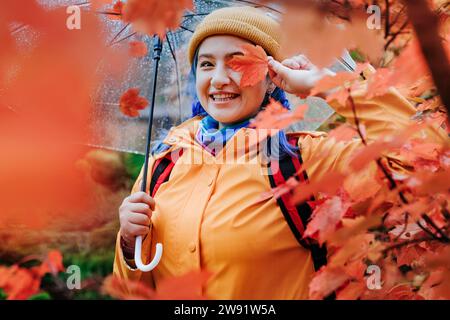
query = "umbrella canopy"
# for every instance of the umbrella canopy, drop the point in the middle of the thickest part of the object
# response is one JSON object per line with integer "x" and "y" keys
{"x": 111, "y": 129}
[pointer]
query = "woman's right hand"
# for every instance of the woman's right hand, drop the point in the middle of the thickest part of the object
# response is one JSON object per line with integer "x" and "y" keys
{"x": 135, "y": 217}
{"x": 296, "y": 75}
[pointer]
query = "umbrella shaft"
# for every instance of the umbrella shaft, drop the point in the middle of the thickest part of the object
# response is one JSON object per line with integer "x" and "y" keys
{"x": 157, "y": 47}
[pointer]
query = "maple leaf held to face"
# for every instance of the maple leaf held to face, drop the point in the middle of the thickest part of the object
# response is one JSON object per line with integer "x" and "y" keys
{"x": 131, "y": 102}
{"x": 253, "y": 65}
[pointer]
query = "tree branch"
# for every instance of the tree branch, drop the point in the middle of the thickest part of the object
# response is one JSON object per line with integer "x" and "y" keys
{"x": 426, "y": 26}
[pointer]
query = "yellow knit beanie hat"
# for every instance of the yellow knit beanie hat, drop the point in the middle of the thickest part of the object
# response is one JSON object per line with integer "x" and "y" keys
{"x": 245, "y": 22}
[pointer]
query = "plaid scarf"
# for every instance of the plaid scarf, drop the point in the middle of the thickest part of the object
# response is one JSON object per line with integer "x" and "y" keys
{"x": 211, "y": 138}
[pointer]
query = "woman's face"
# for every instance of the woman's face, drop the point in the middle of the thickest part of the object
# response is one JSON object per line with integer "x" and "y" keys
{"x": 218, "y": 85}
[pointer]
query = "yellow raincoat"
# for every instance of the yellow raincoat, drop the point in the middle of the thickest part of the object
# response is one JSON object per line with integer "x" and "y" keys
{"x": 210, "y": 215}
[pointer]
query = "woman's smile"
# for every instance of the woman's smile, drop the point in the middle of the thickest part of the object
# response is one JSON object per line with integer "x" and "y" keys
{"x": 222, "y": 98}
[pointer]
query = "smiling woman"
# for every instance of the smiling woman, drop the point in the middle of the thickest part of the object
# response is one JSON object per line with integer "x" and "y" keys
{"x": 211, "y": 215}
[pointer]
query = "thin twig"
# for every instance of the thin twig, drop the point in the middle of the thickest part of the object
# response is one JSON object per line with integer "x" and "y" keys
{"x": 430, "y": 221}
{"x": 404, "y": 228}
{"x": 386, "y": 24}
{"x": 404, "y": 243}
{"x": 394, "y": 35}
{"x": 431, "y": 234}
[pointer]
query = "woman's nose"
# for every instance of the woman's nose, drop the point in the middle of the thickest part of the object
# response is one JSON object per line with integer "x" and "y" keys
{"x": 220, "y": 77}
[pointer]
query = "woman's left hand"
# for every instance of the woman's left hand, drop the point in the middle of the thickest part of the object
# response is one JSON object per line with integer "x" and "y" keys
{"x": 296, "y": 75}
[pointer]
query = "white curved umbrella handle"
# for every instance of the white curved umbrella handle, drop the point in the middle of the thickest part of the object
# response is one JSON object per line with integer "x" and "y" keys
{"x": 138, "y": 259}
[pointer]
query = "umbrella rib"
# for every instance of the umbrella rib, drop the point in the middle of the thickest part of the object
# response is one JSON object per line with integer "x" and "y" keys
{"x": 19, "y": 28}
{"x": 83, "y": 3}
{"x": 170, "y": 47}
{"x": 176, "y": 71}
{"x": 258, "y": 5}
{"x": 184, "y": 28}
{"x": 195, "y": 14}
{"x": 110, "y": 13}
{"x": 119, "y": 33}
{"x": 123, "y": 39}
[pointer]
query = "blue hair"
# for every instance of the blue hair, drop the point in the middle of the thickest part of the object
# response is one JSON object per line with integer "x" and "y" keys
{"x": 285, "y": 148}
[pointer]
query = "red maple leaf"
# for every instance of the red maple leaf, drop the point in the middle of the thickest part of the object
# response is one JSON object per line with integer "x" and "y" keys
{"x": 325, "y": 218}
{"x": 253, "y": 65}
{"x": 344, "y": 132}
{"x": 131, "y": 102}
{"x": 18, "y": 283}
{"x": 155, "y": 16}
{"x": 117, "y": 11}
{"x": 326, "y": 281}
{"x": 53, "y": 264}
{"x": 330, "y": 82}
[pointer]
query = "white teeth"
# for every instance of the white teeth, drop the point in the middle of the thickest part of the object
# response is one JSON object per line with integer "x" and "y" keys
{"x": 224, "y": 97}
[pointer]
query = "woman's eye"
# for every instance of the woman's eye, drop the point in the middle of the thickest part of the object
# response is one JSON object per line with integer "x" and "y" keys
{"x": 205, "y": 64}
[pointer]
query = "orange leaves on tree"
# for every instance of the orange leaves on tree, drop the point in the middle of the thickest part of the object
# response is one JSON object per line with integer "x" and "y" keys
{"x": 277, "y": 192}
{"x": 344, "y": 132}
{"x": 331, "y": 82}
{"x": 53, "y": 264}
{"x": 131, "y": 102}
{"x": 275, "y": 116}
{"x": 374, "y": 150}
{"x": 21, "y": 283}
{"x": 155, "y": 16}
{"x": 185, "y": 287}
{"x": 138, "y": 49}
{"x": 325, "y": 218}
{"x": 18, "y": 283}
{"x": 326, "y": 281}
{"x": 253, "y": 65}
{"x": 124, "y": 289}
{"x": 305, "y": 29}
{"x": 328, "y": 184}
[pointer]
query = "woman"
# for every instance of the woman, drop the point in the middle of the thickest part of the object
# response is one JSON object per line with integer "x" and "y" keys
{"x": 209, "y": 215}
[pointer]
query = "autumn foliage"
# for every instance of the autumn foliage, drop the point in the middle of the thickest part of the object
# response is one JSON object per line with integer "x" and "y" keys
{"x": 388, "y": 210}
{"x": 20, "y": 283}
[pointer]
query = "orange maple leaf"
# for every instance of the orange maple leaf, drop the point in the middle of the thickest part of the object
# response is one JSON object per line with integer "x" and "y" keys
{"x": 326, "y": 281}
{"x": 277, "y": 192}
{"x": 253, "y": 65}
{"x": 155, "y": 16}
{"x": 344, "y": 132}
{"x": 138, "y": 49}
{"x": 131, "y": 102}
{"x": 18, "y": 283}
{"x": 329, "y": 184}
{"x": 275, "y": 116}
{"x": 330, "y": 82}
{"x": 325, "y": 218}
{"x": 53, "y": 263}
{"x": 185, "y": 287}
{"x": 117, "y": 11}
